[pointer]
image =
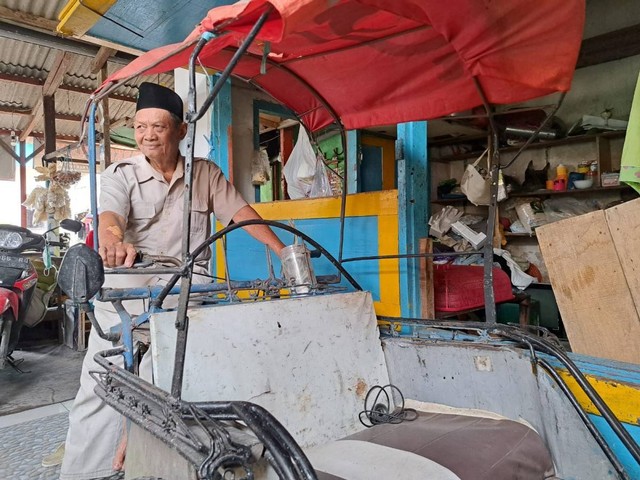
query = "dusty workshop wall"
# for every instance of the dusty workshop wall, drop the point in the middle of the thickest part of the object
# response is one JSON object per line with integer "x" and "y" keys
{"x": 609, "y": 85}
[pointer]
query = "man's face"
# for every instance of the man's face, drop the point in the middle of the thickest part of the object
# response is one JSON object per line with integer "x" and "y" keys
{"x": 157, "y": 134}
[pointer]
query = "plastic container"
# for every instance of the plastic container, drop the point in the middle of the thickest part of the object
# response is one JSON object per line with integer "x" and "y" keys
{"x": 561, "y": 171}
{"x": 582, "y": 184}
{"x": 297, "y": 269}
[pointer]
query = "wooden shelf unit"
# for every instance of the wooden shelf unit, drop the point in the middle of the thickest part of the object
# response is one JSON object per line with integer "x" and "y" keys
{"x": 602, "y": 144}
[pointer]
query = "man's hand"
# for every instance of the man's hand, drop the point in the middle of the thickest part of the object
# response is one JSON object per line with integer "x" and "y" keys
{"x": 118, "y": 254}
{"x": 113, "y": 250}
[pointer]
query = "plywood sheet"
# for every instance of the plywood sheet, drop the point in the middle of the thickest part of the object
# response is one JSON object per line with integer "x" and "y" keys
{"x": 624, "y": 225}
{"x": 593, "y": 296}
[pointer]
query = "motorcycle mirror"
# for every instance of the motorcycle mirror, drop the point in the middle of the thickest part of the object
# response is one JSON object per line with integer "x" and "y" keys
{"x": 71, "y": 225}
{"x": 81, "y": 273}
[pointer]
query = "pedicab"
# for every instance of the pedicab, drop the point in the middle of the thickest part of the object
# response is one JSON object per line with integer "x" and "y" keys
{"x": 272, "y": 378}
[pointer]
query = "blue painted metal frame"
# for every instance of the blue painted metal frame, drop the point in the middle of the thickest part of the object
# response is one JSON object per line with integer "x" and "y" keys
{"x": 353, "y": 155}
{"x": 413, "y": 209}
{"x": 221, "y": 118}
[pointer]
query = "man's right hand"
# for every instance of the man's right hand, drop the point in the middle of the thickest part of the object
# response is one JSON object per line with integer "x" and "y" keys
{"x": 118, "y": 254}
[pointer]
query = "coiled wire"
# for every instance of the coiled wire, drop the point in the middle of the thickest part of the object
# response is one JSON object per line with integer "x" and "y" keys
{"x": 379, "y": 407}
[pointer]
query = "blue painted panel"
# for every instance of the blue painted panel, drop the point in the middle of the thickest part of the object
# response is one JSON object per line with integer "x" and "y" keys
{"x": 630, "y": 465}
{"x": 247, "y": 259}
{"x": 370, "y": 169}
{"x": 413, "y": 208}
{"x": 353, "y": 153}
{"x": 149, "y": 24}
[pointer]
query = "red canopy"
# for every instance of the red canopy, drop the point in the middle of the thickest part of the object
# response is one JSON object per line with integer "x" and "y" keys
{"x": 381, "y": 62}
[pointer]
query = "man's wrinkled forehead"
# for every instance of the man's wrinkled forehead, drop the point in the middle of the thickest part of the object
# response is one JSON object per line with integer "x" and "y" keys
{"x": 152, "y": 115}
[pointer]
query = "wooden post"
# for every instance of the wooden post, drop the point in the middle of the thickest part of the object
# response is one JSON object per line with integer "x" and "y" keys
{"x": 427, "y": 300}
{"x": 106, "y": 159}
{"x": 286, "y": 147}
{"x": 49, "y": 111}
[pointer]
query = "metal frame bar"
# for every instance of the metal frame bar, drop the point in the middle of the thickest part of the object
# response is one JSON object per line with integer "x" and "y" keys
{"x": 164, "y": 416}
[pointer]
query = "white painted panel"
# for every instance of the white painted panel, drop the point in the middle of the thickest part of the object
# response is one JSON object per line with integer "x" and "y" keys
{"x": 309, "y": 361}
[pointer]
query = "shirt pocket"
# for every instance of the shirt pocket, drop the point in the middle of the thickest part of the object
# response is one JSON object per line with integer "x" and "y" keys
{"x": 199, "y": 215}
{"x": 141, "y": 213}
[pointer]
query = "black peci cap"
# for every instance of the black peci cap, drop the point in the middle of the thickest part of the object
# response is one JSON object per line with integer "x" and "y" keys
{"x": 152, "y": 95}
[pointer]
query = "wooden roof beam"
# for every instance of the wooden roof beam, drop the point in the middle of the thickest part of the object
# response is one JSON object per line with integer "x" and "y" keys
{"x": 33, "y": 121}
{"x": 100, "y": 59}
{"x": 71, "y": 88}
{"x": 56, "y": 75}
{"x": 71, "y": 138}
{"x": 29, "y": 111}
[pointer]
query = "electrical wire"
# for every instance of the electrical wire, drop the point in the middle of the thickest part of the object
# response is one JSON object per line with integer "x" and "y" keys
{"x": 380, "y": 411}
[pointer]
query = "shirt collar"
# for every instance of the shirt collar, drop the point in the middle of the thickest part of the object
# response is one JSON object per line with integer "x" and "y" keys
{"x": 145, "y": 172}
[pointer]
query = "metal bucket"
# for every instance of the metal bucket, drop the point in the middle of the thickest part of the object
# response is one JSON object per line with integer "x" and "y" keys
{"x": 296, "y": 267}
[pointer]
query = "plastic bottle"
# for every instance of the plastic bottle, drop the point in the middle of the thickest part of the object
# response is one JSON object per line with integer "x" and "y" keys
{"x": 593, "y": 174}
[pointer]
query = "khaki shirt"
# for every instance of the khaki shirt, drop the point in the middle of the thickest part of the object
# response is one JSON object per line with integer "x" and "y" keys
{"x": 152, "y": 207}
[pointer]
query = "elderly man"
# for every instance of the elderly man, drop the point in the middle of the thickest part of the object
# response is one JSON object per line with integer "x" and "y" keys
{"x": 141, "y": 208}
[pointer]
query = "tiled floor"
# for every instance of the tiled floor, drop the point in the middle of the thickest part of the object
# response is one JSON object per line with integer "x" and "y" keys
{"x": 34, "y": 413}
{"x": 28, "y": 436}
{"x": 24, "y": 444}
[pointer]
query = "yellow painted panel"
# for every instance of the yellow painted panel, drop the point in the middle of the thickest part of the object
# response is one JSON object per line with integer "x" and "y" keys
{"x": 358, "y": 205}
{"x": 623, "y": 399}
{"x": 389, "y": 269}
{"x": 383, "y": 205}
{"x": 77, "y": 18}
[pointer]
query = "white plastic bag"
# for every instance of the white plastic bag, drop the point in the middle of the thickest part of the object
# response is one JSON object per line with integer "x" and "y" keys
{"x": 300, "y": 168}
{"x": 476, "y": 187}
{"x": 321, "y": 187}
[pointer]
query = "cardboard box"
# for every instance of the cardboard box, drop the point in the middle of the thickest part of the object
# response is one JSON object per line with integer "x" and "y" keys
{"x": 610, "y": 179}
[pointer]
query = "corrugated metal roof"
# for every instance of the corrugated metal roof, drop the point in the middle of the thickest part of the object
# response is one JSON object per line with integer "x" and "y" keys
{"x": 48, "y": 9}
{"x": 24, "y": 68}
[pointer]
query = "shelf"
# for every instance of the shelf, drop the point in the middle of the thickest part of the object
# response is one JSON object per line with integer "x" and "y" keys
{"x": 519, "y": 235}
{"x": 545, "y": 193}
{"x": 541, "y": 193}
{"x": 450, "y": 201}
{"x": 535, "y": 145}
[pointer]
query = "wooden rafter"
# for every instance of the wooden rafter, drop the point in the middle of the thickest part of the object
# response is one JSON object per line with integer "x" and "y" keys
{"x": 9, "y": 150}
{"x": 100, "y": 59}
{"x": 33, "y": 121}
{"x": 66, "y": 138}
{"x": 29, "y": 111}
{"x": 56, "y": 75}
{"x": 37, "y": 82}
{"x": 54, "y": 80}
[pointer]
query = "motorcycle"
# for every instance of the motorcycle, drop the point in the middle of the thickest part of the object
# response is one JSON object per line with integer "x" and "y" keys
{"x": 18, "y": 282}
